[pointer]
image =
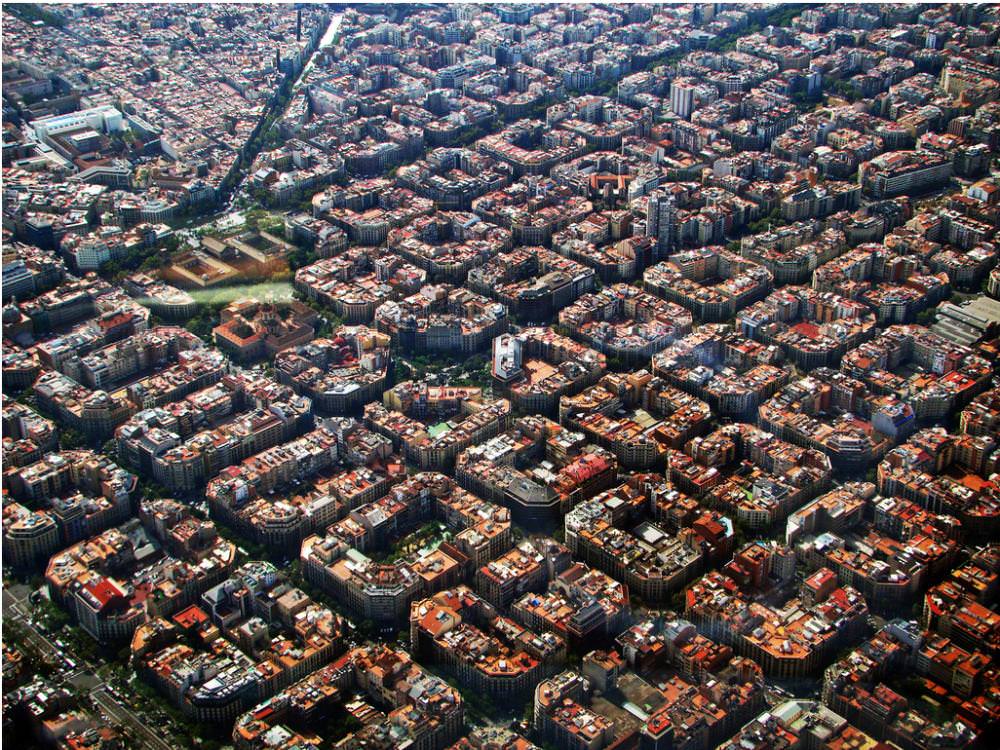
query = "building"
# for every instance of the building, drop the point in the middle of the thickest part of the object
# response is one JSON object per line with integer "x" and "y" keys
{"x": 249, "y": 330}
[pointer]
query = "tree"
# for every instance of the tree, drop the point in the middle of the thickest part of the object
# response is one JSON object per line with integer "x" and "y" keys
{"x": 301, "y": 257}
{"x": 70, "y": 439}
{"x": 55, "y": 617}
{"x": 110, "y": 269}
{"x": 367, "y": 630}
{"x": 30, "y": 12}
{"x": 739, "y": 536}
{"x": 615, "y": 364}
{"x": 200, "y": 328}
{"x": 846, "y": 90}
{"x": 784, "y": 15}
{"x": 150, "y": 490}
{"x": 272, "y": 139}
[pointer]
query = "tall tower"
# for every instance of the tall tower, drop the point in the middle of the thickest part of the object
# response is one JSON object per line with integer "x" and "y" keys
{"x": 661, "y": 221}
{"x": 682, "y": 97}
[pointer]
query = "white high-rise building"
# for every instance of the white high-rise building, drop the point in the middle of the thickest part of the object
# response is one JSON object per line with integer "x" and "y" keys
{"x": 506, "y": 357}
{"x": 682, "y": 97}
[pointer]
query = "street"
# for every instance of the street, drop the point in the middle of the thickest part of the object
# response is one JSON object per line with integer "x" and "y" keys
{"x": 123, "y": 715}
{"x": 15, "y": 599}
{"x": 16, "y": 607}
